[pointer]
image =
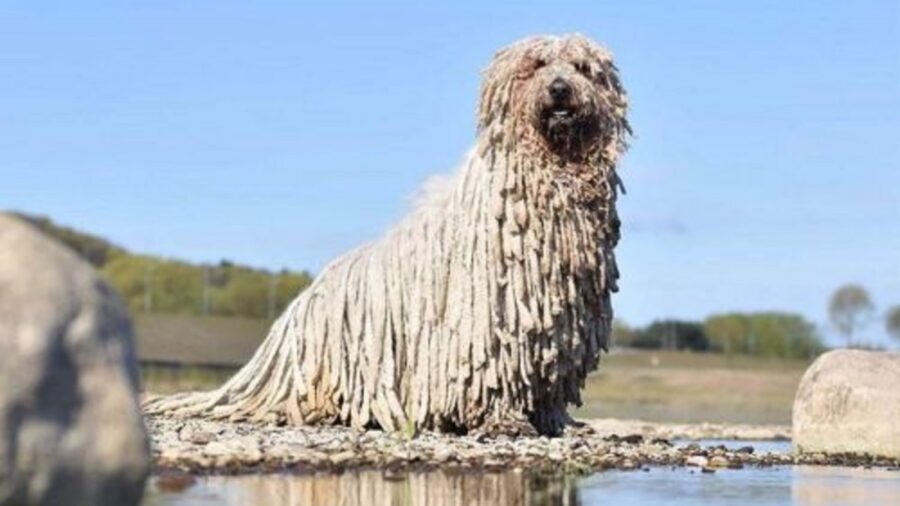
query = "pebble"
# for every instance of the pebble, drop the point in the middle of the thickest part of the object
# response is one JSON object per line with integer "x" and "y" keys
{"x": 202, "y": 438}
{"x": 174, "y": 481}
{"x": 718, "y": 461}
{"x": 628, "y": 465}
{"x": 696, "y": 461}
{"x": 200, "y": 446}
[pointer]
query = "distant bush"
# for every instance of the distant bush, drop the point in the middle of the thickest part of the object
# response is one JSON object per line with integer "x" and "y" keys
{"x": 672, "y": 335}
{"x": 767, "y": 334}
{"x": 622, "y": 334}
{"x": 153, "y": 285}
{"x": 158, "y": 285}
{"x": 95, "y": 250}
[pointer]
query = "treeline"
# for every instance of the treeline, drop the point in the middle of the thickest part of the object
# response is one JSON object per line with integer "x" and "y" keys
{"x": 152, "y": 284}
{"x": 766, "y": 334}
{"x": 851, "y": 309}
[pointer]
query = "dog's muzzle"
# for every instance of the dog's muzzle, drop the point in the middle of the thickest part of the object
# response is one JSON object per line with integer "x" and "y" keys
{"x": 568, "y": 125}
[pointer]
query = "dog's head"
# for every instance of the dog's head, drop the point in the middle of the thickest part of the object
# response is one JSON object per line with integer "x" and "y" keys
{"x": 563, "y": 91}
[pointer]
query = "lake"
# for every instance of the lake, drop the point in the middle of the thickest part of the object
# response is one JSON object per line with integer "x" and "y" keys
{"x": 797, "y": 485}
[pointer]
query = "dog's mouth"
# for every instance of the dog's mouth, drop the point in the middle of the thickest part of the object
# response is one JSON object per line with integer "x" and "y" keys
{"x": 567, "y": 128}
{"x": 559, "y": 116}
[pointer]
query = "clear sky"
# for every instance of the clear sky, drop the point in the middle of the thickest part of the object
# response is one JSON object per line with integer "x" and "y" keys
{"x": 765, "y": 170}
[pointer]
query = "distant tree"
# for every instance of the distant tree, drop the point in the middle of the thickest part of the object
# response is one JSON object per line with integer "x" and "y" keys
{"x": 672, "y": 334}
{"x": 95, "y": 250}
{"x": 892, "y": 322}
{"x": 246, "y": 294}
{"x": 290, "y": 284}
{"x": 622, "y": 334}
{"x": 768, "y": 334}
{"x": 160, "y": 285}
{"x": 729, "y": 333}
{"x": 785, "y": 335}
{"x": 850, "y": 309}
{"x": 170, "y": 286}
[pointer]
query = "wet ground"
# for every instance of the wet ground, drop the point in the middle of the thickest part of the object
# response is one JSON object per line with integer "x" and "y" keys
{"x": 204, "y": 447}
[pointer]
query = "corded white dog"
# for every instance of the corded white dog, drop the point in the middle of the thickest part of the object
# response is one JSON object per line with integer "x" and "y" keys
{"x": 487, "y": 306}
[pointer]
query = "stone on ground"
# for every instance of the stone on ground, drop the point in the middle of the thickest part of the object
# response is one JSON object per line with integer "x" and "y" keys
{"x": 848, "y": 401}
{"x": 70, "y": 426}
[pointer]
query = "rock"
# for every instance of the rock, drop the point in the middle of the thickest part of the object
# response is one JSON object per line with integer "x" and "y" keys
{"x": 718, "y": 461}
{"x": 238, "y": 451}
{"x": 848, "y": 402}
{"x": 628, "y": 465}
{"x": 174, "y": 481}
{"x": 70, "y": 427}
{"x": 633, "y": 439}
{"x": 342, "y": 457}
{"x": 696, "y": 461}
{"x": 199, "y": 437}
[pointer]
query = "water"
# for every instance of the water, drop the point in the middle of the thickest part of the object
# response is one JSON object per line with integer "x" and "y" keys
{"x": 758, "y": 446}
{"x": 819, "y": 486}
{"x": 798, "y": 485}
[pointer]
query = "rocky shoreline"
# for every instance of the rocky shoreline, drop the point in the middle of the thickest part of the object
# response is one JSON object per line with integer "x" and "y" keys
{"x": 204, "y": 447}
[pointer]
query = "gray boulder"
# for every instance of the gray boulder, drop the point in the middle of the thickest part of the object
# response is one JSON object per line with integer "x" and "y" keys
{"x": 71, "y": 431}
{"x": 849, "y": 401}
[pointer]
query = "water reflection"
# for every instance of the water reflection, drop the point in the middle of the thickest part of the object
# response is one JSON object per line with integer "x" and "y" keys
{"x": 831, "y": 486}
{"x": 376, "y": 488}
{"x": 801, "y": 486}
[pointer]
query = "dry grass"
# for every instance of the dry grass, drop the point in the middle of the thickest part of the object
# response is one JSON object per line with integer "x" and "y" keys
{"x": 165, "y": 379}
{"x": 192, "y": 340}
{"x": 692, "y": 387}
{"x": 183, "y": 352}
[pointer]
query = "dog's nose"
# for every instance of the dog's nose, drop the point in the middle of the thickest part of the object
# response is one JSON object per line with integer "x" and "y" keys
{"x": 560, "y": 89}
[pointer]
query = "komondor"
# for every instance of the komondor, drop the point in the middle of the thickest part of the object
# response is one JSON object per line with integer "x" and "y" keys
{"x": 487, "y": 306}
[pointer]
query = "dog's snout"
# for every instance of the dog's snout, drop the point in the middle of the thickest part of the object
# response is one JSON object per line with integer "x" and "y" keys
{"x": 560, "y": 89}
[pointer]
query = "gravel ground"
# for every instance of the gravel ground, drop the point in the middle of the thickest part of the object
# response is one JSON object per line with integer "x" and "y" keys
{"x": 199, "y": 446}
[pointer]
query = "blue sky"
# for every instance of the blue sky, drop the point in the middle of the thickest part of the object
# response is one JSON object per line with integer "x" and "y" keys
{"x": 765, "y": 170}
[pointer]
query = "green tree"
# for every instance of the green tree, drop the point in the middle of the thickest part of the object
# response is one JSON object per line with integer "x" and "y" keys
{"x": 95, "y": 250}
{"x": 151, "y": 284}
{"x": 622, "y": 335}
{"x": 729, "y": 333}
{"x": 672, "y": 334}
{"x": 769, "y": 334}
{"x": 245, "y": 294}
{"x": 288, "y": 286}
{"x": 850, "y": 309}
{"x": 892, "y": 322}
{"x": 156, "y": 285}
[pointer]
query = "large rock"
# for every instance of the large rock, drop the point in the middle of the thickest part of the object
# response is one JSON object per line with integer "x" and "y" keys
{"x": 70, "y": 426}
{"x": 849, "y": 401}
